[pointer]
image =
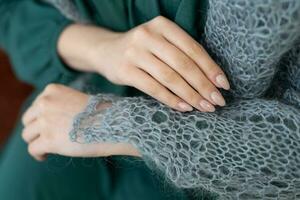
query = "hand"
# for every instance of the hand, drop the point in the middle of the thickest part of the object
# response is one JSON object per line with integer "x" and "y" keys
{"x": 158, "y": 58}
{"x": 48, "y": 121}
{"x": 162, "y": 60}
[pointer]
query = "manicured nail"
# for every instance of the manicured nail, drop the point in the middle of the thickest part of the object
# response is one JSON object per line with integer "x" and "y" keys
{"x": 217, "y": 98}
{"x": 222, "y": 81}
{"x": 184, "y": 106}
{"x": 207, "y": 106}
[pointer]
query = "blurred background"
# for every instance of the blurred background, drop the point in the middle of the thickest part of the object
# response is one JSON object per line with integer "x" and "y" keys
{"x": 12, "y": 94}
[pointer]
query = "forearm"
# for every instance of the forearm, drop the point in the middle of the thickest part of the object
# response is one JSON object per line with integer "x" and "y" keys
{"x": 82, "y": 47}
{"x": 240, "y": 145}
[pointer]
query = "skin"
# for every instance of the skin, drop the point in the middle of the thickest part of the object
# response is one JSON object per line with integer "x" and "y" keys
{"x": 165, "y": 63}
{"x": 48, "y": 121}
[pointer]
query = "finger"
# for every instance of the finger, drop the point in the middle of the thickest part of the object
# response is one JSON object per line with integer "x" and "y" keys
{"x": 181, "y": 63}
{"x": 41, "y": 95}
{"x": 30, "y": 115}
{"x": 32, "y": 112}
{"x": 153, "y": 88}
{"x": 177, "y": 36}
{"x": 173, "y": 81}
{"x": 37, "y": 149}
{"x": 31, "y": 131}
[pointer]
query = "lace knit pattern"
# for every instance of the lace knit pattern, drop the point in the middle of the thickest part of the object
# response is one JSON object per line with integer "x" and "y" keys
{"x": 249, "y": 149}
{"x": 248, "y": 39}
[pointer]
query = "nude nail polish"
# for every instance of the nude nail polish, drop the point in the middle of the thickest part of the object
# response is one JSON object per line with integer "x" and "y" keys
{"x": 207, "y": 106}
{"x": 184, "y": 106}
{"x": 222, "y": 81}
{"x": 217, "y": 98}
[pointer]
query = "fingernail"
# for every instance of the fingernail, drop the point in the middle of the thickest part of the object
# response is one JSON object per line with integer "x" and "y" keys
{"x": 222, "y": 81}
{"x": 184, "y": 106}
{"x": 217, "y": 98}
{"x": 207, "y": 106}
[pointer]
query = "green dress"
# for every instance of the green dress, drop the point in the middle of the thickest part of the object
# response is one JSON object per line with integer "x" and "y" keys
{"x": 29, "y": 30}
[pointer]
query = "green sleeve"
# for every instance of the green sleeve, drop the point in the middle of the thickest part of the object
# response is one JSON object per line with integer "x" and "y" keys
{"x": 29, "y": 30}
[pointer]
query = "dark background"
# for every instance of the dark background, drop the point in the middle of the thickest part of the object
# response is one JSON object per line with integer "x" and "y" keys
{"x": 12, "y": 94}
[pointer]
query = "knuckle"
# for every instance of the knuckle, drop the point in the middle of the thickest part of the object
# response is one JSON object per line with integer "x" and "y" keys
{"x": 195, "y": 49}
{"x": 173, "y": 101}
{"x": 185, "y": 63}
{"x": 130, "y": 52}
{"x": 169, "y": 76}
{"x": 159, "y": 20}
{"x": 190, "y": 69}
{"x": 151, "y": 88}
{"x": 44, "y": 102}
{"x": 141, "y": 33}
{"x": 154, "y": 91}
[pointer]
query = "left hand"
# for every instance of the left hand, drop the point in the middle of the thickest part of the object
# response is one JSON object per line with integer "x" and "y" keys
{"x": 48, "y": 121}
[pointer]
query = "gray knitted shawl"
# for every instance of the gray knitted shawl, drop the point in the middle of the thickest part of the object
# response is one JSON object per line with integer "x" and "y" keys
{"x": 249, "y": 149}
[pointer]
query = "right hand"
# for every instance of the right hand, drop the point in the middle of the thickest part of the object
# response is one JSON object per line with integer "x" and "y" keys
{"x": 163, "y": 61}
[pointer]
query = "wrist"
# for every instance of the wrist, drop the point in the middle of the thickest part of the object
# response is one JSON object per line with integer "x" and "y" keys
{"x": 81, "y": 46}
{"x": 101, "y": 51}
{"x": 122, "y": 149}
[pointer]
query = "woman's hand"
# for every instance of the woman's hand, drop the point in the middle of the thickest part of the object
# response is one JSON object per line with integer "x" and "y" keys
{"x": 158, "y": 58}
{"x": 48, "y": 123}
